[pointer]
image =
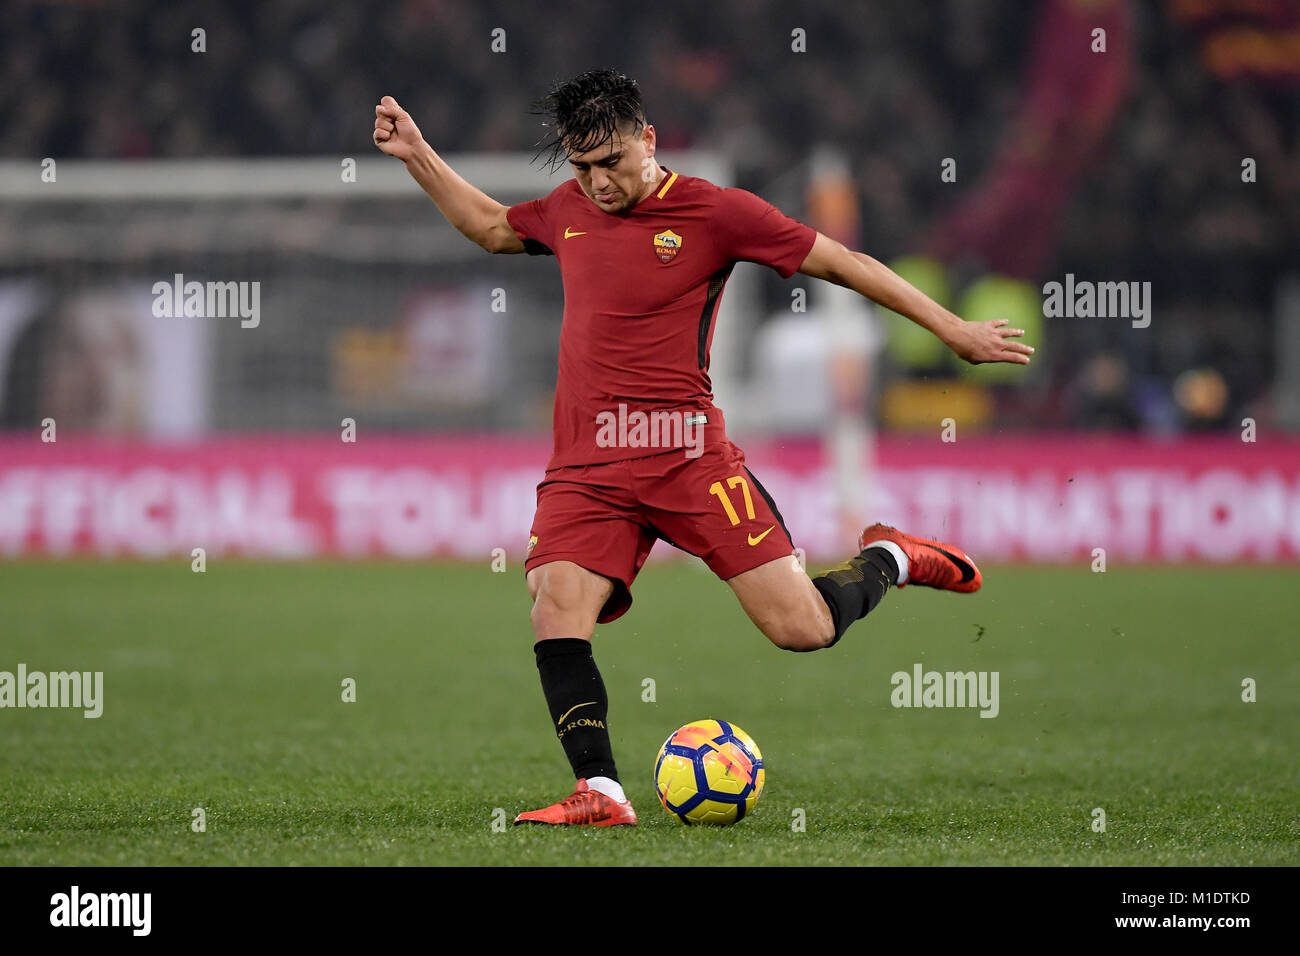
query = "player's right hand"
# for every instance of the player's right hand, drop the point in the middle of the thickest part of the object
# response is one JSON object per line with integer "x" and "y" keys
{"x": 395, "y": 132}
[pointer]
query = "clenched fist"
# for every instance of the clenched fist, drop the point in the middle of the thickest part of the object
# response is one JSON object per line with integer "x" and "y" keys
{"x": 395, "y": 132}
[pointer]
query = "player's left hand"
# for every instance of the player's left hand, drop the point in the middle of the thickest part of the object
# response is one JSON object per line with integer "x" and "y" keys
{"x": 991, "y": 341}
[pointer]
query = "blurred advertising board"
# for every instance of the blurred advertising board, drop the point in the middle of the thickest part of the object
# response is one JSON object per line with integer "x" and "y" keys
{"x": 1051, "y": 499}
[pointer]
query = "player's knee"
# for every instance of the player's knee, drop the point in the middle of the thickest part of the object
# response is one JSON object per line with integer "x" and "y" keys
{"x": 801, "y": 625}
{"x": 562, "y": 607}
{"x": 799, "y": 635}
{"x": 549, "y": 615}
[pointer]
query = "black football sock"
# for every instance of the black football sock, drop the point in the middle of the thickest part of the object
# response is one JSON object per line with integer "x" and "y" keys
{"x": 575, "y": 695}
{"x": 853, "y": 588}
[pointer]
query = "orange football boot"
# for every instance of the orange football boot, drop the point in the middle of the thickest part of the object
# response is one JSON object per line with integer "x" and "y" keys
{"x": 584, "y": 807}
{"x": 931, "y": 564}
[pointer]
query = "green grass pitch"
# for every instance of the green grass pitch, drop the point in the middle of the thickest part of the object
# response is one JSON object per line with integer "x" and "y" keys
{"x": 222, "y": 691}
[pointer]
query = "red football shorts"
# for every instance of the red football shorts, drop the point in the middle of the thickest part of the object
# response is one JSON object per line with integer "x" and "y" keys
{"x": 607, "y": 517}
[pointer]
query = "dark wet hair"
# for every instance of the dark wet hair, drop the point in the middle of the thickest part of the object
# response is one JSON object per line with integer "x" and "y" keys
{"x": 583, "y": 113}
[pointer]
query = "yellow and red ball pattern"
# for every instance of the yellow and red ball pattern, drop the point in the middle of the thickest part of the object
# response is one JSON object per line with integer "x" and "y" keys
{"x": 709, "y": 771}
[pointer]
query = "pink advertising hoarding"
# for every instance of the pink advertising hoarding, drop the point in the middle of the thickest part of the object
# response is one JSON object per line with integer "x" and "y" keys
{"x": 1043, "y": 499}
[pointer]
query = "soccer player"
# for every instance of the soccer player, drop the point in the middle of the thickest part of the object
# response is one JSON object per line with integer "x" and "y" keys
{"x": 644, "y": 253}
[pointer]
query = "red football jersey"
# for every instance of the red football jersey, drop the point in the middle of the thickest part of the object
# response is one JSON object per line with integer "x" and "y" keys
{"x": 641, "y": 292}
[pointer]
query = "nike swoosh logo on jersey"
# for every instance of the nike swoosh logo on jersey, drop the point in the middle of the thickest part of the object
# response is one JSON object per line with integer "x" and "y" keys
{"x": 753, "y": 541}
{"x": 570, "y": 235}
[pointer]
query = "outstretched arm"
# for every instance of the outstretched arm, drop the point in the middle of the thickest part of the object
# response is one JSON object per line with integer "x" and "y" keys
{"x": 975, "y": 342}
{"x": 477, "y": 215}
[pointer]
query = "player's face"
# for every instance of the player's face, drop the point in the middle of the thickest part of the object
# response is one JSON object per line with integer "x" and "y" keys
{"x": 619, "y": 174}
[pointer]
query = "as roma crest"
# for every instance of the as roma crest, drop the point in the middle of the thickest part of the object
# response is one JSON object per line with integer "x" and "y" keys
{"x": 667, "y": 244}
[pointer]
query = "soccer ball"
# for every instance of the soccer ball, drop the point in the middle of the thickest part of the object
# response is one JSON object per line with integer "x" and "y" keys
{"x": 709, "y": 771}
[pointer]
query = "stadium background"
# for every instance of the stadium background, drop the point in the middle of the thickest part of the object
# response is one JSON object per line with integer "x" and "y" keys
{"x": 981, "y": 148}
{"x": 126, "y": 158}
{"x": 1121, "y": 166}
